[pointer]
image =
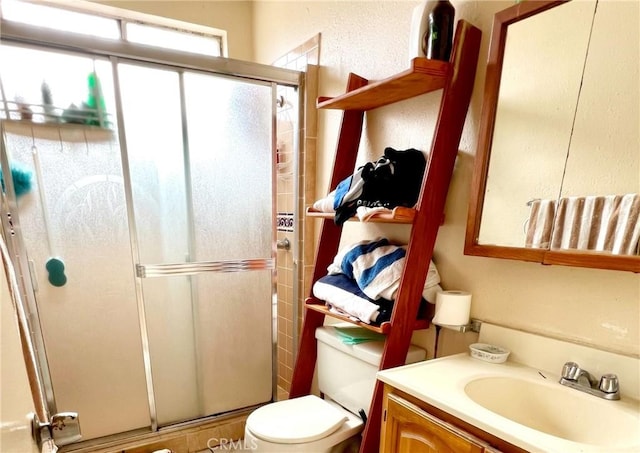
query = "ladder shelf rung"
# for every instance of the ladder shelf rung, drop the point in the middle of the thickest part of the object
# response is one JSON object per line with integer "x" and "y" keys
{"x": 384, "y": 328}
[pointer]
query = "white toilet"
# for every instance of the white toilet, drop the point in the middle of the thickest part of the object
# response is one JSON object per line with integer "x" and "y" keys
{"x": 346, "y": 377}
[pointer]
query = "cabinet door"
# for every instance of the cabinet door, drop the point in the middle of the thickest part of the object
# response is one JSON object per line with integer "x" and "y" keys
{"x": 409, "y": 429}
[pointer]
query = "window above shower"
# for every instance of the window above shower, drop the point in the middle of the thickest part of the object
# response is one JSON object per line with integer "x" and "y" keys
{"x": 40, "y": 88}
{"x": 116, "y": 24}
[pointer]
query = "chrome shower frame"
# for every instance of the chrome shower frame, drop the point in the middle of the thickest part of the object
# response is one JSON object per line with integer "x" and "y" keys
{"x": 115, "y": 51}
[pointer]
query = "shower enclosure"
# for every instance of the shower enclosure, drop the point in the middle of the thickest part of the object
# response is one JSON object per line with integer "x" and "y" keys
{"x": 145, "y": 241}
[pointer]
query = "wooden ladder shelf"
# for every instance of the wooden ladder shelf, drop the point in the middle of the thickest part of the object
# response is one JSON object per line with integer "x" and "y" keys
{"x": 456, "y": 79}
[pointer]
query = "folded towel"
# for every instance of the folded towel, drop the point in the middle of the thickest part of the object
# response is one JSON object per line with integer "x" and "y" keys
{"x": 540, "y": 223}
{"x": 343, "y": 293}
{"x": 376, "y": 266}
{"x": 334, "y": 309}
{"x": 325, "y": 204}
{"x": 601, "y": 223}
{"x": 365, "y": 213}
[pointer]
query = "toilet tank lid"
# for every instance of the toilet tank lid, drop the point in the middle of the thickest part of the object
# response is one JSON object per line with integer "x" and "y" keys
{"x": 370, "y": 351}
{"x": 298, "y": 420}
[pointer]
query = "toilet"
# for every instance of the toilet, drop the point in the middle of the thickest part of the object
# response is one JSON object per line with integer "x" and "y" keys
{"x": 346, "y": 377}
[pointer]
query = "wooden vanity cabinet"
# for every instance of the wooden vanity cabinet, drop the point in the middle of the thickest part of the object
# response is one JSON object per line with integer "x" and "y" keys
{"x": 412, "y": 426}
{"x": 407, "y": 428}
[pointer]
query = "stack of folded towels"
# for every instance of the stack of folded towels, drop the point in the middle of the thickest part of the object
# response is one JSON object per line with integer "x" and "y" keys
{"x": 363, "y": 280}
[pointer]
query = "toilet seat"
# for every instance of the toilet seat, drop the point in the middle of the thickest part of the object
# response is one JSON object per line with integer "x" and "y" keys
{"x": 294, "y": 421}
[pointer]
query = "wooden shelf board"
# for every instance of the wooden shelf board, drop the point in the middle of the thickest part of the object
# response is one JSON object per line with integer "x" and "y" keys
{"x": 398, "y": 214}
{"x": 422, "y": 77}
{"x": 384, "y": 328}
{"x": 313, "y": 304}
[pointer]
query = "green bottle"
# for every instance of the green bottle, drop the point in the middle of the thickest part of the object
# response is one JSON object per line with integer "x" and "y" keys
{"x": 439, "y": 38}
{"x": 95, "y": 102}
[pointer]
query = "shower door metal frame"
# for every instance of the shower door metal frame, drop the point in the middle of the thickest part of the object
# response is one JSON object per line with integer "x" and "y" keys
{"x": 117, "y": 51}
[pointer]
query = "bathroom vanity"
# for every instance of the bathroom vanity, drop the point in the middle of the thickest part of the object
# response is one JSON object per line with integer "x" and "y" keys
{"x": 410, "y": 424}
{"x": 461, "y": 404}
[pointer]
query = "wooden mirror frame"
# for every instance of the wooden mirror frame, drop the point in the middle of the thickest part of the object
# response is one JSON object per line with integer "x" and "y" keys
{"x": 576, "y": 258}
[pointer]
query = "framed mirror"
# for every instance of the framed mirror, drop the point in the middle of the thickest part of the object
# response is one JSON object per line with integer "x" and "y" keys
{"x": 557, "y": 173}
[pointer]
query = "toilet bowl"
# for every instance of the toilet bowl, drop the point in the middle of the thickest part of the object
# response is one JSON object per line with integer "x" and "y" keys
{"x": 305, "y": 424}
{"x": 346, "y": 378}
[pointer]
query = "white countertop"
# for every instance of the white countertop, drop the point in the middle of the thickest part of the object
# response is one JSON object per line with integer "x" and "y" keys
{"x": 441, "y": 383}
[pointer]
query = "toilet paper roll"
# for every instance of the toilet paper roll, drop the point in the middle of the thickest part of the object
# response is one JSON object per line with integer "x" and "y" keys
{"x": 452, "y": 308}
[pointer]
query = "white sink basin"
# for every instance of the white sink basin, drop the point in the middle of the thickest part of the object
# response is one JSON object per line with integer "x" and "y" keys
{"x": 522, "y": 405}
{"x": 559, "y": 411}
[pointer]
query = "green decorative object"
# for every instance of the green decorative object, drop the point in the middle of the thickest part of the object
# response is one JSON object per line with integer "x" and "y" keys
{"x": 55, "y": 268}
{"x": 97, "y": 110}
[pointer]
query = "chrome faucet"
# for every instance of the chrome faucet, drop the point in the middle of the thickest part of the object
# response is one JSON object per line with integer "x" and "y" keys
{"x": 575, "y": 377}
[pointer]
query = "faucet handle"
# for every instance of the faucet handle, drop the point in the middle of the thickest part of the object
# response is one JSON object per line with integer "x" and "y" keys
{"x": 571, "y": 371}
{"x": 609, "y": 383}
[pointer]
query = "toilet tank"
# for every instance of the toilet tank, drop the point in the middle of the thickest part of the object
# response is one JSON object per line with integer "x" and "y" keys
{"x": 347, "y": 373}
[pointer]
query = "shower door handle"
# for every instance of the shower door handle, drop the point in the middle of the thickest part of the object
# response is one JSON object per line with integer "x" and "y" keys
{"x": 65, "y": 428}
{"x": 164, "y": 270}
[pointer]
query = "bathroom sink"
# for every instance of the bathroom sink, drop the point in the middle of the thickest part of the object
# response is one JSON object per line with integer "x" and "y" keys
{"x": 559, "y": 411}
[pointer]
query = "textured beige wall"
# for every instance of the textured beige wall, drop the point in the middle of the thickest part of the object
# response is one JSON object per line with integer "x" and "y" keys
{"x": 594, "y": 307}
{"x": 234, "y": 16}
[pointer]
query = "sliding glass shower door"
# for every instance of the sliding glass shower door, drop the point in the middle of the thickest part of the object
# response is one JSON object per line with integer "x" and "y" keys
{"x": 75, "y": 212}
{"x": 164, "y": 219}
{"x": 200, "y": 157}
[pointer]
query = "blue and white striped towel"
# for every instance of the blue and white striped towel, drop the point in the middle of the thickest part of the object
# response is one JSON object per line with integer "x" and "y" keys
{"x": 376, "y": 265}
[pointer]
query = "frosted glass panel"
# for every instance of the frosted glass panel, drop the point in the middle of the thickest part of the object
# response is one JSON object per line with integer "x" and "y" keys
{"x": 67, "y": 87}
{"x": 234, "y": 339}
{"x": 230, "y": 130}
{"x": 153, "y": 126}
{"x": 230, "y": 135}
{"x": 172, "y": 346}
{"x": 204, "y": 197}
{"x": 198, "y": 157}
{"x": 90, "y": 325}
